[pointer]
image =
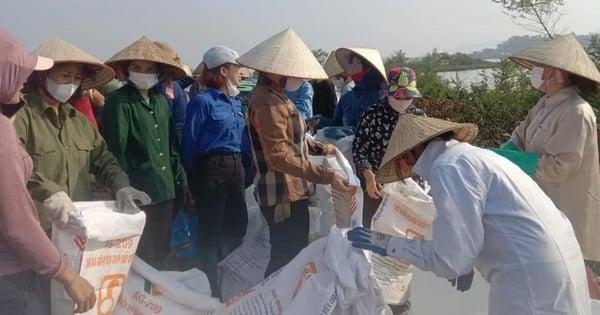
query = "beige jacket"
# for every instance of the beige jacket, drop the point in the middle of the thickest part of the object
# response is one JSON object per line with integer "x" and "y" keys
{"x": 562, "y": 129}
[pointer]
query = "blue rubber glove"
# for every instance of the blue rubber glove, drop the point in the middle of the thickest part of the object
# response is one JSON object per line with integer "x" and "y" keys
{"x": 463, "y": 283}
{"x": 527, "y": 161}
{"x": 369, "y": 240}
{"x": 509, "y": 145}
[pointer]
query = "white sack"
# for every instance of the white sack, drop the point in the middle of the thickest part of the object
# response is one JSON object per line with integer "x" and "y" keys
{"x": 348, "y": 205}
{"x": 245, "y": 266}
{"x": 407, "y": 211}
{"x": 150, "y": 292}
{"x": 99, "y": 244}
{"x": 327, "y": 277}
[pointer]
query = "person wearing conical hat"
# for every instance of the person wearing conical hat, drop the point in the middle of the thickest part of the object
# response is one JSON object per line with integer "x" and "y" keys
{"x": 280, "y": 150}
{"x": 325, "y": 94}
{"x": 366, "y": 69}
{"x": 341, "y": 79}
{"x": 139, "y": 131}
{"x": 26, "y": 253}
{"x": 173, "y": 90}
{"x": 211, "y": 148}
{"x": 560, "y": 131}
{"x": 372, "y": 135}
{"x": 64, "y": 145}
{"x": 490, "y": 215}
{"x": 374, "y": 130}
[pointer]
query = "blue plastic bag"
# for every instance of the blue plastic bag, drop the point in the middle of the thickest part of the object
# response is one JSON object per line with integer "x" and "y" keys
{"x": 183, "y": 231}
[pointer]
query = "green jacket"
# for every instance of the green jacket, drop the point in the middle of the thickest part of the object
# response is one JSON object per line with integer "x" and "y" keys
{"x": 142, "y": 136}
{"x": 64, "y": 151}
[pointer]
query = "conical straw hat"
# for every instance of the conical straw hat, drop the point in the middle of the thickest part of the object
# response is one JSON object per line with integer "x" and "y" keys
{"x": 284, "y": 54}
{"x": 371, "y": 55}
{"x": 332, "y": 67}
{"x": 410, "y": 132}
{"x": 145, "y": 49}
{"x": 198, "y": 69}
{"x": 563, "y": 52}
{"x": 62, "y": 51}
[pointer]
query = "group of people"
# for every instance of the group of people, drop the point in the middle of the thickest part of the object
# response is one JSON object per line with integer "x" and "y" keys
{"x": 161, "y": 152}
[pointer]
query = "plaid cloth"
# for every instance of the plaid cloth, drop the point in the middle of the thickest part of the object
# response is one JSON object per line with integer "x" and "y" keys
{"x": 280, "y": 149}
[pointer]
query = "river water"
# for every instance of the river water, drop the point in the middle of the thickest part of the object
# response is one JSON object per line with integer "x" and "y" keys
{"x": 466, "y": 77}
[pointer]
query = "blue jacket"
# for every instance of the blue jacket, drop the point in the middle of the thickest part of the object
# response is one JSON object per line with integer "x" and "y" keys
{"x": 214, "y": 123}
{"x": 177, "y": 104}
{"x": 303, "y": 99}
{"x": 366, "y": 93}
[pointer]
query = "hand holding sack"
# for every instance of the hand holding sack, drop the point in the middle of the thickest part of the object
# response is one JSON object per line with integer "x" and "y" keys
{"x": 58, "y": 207}
{"x": 126, "y": 197}
{"x": 367, "y": 239}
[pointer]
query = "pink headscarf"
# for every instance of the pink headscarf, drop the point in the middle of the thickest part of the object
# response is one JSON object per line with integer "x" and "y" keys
{"x": 16, "y": 64}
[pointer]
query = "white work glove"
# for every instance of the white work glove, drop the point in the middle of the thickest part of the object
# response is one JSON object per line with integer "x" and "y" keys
{"x": 282, "y": 212}
{"x": 58, "y": 207}
{"x": 125, "y": 199}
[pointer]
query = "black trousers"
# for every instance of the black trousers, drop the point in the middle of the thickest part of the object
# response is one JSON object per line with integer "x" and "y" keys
{"x": 217, "y": 183}
{"x": 289, "y": 237}
{"x": 21, "y": 294}
{"x": 156, "y": 238}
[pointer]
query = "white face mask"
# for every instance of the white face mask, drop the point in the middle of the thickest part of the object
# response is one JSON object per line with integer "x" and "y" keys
{"x": 60, "y": 92}
{"x": 293, "y": 84}
{"x": 143, "y": 81}
{"x": 399, "y": 106}
{"x": 233, "y": 90}
{"x": 536, "y": 78}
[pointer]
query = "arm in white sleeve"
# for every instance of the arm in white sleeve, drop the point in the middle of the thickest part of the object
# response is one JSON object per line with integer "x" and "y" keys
{"x": 458, "y": 234}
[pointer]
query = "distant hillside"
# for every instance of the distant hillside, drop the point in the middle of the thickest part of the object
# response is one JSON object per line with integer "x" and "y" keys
{"x": 515, "y": 44}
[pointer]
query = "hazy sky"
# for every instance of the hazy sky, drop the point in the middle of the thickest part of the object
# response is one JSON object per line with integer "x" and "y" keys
{"x": 103, "y": 27}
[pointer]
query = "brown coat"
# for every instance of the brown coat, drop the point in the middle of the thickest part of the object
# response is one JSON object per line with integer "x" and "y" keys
{"x": 562, "y": 129}
{"x": 280, "y": 149}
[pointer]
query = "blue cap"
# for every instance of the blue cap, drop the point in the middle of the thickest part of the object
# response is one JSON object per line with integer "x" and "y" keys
{"x": 219, "y": 55}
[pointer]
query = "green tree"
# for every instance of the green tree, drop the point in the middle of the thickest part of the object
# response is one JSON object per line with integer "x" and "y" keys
{"x": 397, "y": 59}
{"x": 321, "y": 55}
{"x": 535, "y": 15}
{"x": 593, "y": 48}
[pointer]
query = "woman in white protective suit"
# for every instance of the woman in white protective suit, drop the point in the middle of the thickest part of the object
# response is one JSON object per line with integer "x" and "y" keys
{"x": 490, "y": 215}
